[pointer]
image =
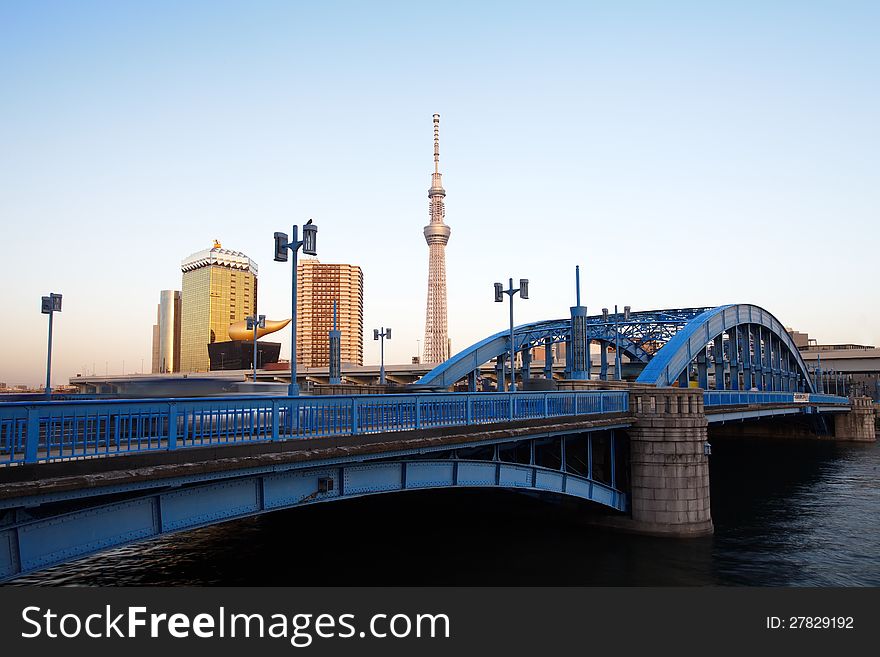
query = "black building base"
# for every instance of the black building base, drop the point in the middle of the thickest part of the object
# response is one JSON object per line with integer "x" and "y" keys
{"x": 239, "y": 354}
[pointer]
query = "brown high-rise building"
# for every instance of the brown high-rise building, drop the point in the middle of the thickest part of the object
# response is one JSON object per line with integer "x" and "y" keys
{"x": 219, "y": 288}
{"x": 318, "y": 286}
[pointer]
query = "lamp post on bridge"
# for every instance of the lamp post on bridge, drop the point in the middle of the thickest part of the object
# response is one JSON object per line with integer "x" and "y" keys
{"x": 377, "y": 335}
{"x": 254, "y": 322}
{"x": 523, "y": 290}
{"x": 50, "y": 306}
{"x": 308, "y": 243}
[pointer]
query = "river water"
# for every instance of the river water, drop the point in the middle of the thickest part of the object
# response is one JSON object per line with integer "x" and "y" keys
{"x": 786, "y": 513}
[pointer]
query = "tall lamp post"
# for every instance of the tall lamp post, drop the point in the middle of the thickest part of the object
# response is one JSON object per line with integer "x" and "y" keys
{"x": 377, "y": 335}
{"x": 254, "y": 322}
{"x": 523, "y": 290}
{"x": 282, "y": 245}
{"x": 51, "y": 305}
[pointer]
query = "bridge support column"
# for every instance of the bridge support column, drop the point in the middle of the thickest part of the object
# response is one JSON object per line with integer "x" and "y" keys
{"x": 757, "y": 361}
{"x": 670, "y": 467}
{"x": 718, "y": 358}
{"x": 733, "y": 357}
{"x": 567, "y": 357}
{"x": 858, "y": 424}
{"x": 702, "y": 370}
{"x": 548, "y": 358}
{"x": 684, "y": 378}
{"x": 580, "y": 347}
{"x": 747, "y": 358}
{"x": 776, "y": 362}
{"x": 526, "y": 369}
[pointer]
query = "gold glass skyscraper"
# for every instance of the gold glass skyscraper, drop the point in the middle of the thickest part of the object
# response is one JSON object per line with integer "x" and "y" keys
{"x": 219, "y": 287}
{"x": 318, "y": 286}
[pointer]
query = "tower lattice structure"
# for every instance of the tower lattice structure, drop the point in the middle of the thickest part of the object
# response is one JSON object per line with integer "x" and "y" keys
{"x": 437, "y": 236}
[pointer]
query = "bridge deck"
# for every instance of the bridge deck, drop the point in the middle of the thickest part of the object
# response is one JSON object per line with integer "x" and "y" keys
{"x": 51, "y": 431}
{"x": 98, "y": 476}
{"x": 739, "y": 412}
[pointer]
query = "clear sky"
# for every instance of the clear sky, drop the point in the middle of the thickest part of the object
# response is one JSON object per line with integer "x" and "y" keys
{"x": 682, "y": 153}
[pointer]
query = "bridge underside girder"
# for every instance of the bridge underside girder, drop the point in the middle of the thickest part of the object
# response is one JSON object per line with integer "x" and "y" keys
{"x": 582, "y": 464}
{"x": 740, "y": 414}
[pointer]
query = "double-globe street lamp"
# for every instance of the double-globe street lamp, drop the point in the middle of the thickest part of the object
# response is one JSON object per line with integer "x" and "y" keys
{"x": 523, "y": 290}
{"x": 50, "y": 306}
{"x": 255, "y": 322}
{"x": 282, "y": 244}
{"x": 381, "y": 335}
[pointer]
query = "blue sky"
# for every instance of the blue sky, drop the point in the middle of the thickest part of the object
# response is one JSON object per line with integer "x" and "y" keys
{"x": 682, "y": 153}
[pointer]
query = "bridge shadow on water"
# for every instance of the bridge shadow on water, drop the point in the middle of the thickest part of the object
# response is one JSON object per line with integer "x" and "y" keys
{"x": 786, "y": 513}
{"x": 442, "y": 537}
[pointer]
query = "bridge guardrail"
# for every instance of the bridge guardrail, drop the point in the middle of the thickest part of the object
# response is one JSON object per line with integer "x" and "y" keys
{"x": 741, "y": 397}
{"x": 47, "y": 431}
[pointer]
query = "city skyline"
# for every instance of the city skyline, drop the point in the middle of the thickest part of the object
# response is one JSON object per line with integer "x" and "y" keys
{"x": 731, "y": 150}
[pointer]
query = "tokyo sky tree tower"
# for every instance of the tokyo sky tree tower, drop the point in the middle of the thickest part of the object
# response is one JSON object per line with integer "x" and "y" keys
{"x": 436, "y": 235}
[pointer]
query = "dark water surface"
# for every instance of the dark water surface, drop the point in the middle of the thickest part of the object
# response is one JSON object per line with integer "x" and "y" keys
{"x": 803, "y": 513}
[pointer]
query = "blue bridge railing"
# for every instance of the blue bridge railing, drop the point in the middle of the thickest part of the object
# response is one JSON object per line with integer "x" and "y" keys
{"x": 739, "y": 397}
{"x": 48, "y": 431}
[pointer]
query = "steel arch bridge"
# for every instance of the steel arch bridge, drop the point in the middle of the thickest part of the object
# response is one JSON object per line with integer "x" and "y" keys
{"x": 749, "y": 348}
{"x": 745, "y": 346}
{"x": 638, "y": 337}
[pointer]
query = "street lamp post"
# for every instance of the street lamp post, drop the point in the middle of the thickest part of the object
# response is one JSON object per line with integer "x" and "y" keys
{"x": 50, "y": 306}
{"x": 282, "y": 245}
{"x": 377, "y": 335}
{"x": 523, "y": 290}
{"x": 254, "y": 322}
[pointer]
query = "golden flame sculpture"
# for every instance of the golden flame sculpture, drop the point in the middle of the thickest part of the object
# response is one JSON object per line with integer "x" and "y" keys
{"x": 240, "y": 331}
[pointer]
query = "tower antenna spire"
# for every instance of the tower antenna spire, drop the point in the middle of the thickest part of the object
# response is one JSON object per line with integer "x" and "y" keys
{"x": 436, "y": 143}
{"x": 436, "y": 235}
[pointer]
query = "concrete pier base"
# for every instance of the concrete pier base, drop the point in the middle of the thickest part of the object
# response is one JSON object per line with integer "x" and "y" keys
{"x": 858, "y": 424}
{"x": 668, "y": 463}
{"x": 670, "y": 467}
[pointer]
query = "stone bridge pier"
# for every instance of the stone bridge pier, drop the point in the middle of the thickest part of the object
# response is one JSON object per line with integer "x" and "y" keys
{"x": 858, "y": 424}
{"x": 670, "y": 464}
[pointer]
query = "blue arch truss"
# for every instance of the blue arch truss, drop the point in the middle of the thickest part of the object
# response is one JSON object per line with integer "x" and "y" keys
{"x": 745, "y": 347}
{"x": 638, "y": 336}
{"x": 731, "y": 347}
